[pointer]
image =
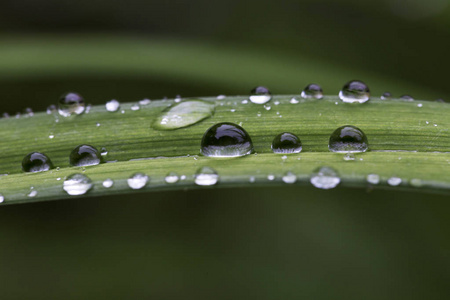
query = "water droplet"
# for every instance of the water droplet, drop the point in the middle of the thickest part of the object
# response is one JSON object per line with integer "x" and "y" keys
{"x": 177, "y": 99}
{"x": 206, "y": 176}
{"x": 348, "y": 139}
{"x": 77, "y": 184}
{"x": 103, "y": 151}
{"x": 85, "y": 155}
{"x": 36, "y": 162}
{"x": 355, "y": 92}
{"x": 386, "y": 96}
{"x": 294, "y": 100}
{"x": 107, "y": 183}
{"x": 220, "y": 97}
{"x": 51, "y": 136}
{"x": 172, "y": 178}
{"x": 289, "y": 177}
{"x": 276, "y": 102}
{"x": 394, "y": 181}
{"x": 137, "y": 181}
{"x": 407, "y": 97}
{"x": 325, "y": 178}
{"x": 71, "y": 103}
{"x": 135, "y": 107}
{"x": 419, "y": 104}
{"x": 286, "y": 143}
{"x": 267, "y": 107}
{"x": 184, "y": 114}
{"x": 112, "y": 105}
{"x": 232, "y": 110}
{"x": 28, "y": 112}
{"x": 312, "y": 91}
{"x": 245, "y": 101}
{"x": 260, "y": 95}
{"x": 416, "y": 182}
{"x": 349, "y": 157}
{"x": 6, "y": 115}
{"x": 373, "y": 178}
{"x": 252, "y": 179}
{"x": 32, "y": 193}
{"x": 270, "y": 177}
{"x": 226, "y": 140}
{"x": 145, "y": 102}
{"x": 2, "y": 198}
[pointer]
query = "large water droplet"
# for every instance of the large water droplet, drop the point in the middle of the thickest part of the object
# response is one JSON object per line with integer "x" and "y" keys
{"x": 355, "y": 92}
{"x": 260, "y": 95}
{"x": 206, "y": 176}
{"x": 112, "y": 105}
{"x": 71, "y": 103}
{"x": 286, "y": 143}
{"x": 137, "y": 181}
{"x": 348, "y": 139}
{"x": 85, "y": 155}
{"x": 226, "y": 140}
{"x": 36, "y": 162}
{"x": 77, "y": 184}
{"x": 184, "y": 114}
{"x": 312, "y": 91}
{"x": 325, "y": 178}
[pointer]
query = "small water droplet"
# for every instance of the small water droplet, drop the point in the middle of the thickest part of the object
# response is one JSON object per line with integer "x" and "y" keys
{"x": 107, "y": 183}
{"x": 312, "y": 91}
{"x": 276, "y": 102}
{"x": 260, "y": 95}
{"x": 85, "y": 155}
{"x": 112, "y": 105}
{"x": 226, "y": 140}
{"x": 29, "y": 112}
{"x": 171, "y": 178}
{"x": 348, "y": 139}
{"x": 258, "y": 114}
{"x": 294, "y": 100}
{"x": 416, "y": 182}
{"x": 103, "y": 151}
{"x": 355, "y": 92}
{"x": 407, "y": 97}
{"x": 252, "y": 179}
{"x": 36, "y": 162}
{"x": 2, "y": 198}
{"x": 270, "y": 177}
{"x": 267, "y": 107}
{"x": 98, "y": 124}
{"x": 373, "y": 178}
{"x": 177, "y": 99}
{"x": 245, "y": 101}
{"x": 32, "y": 193}
{"x": 220, "y": 97}
{"x": 325, "y": 178}
{"x": 419, "y": 104}
{"x": 349, "y": 157}
{"x": 232, "y": 110}
{"x": 51, "y": 136}
{"x": 137, "y": 181}
{"x": 289, "y": 177}
{"x": 77, "y": 184}
{"x": 71, "y": 103}
{"x": 144, "y": 102}
{"x": 135, "y": 107}
{"x": 285, "y": 143}
{"x": 386, "y": 96}
{"x": 394, "y": 181}
{"x": 184, "y": 114}
{"x": 6, "y": 115}
{"x": 206, "y": 176}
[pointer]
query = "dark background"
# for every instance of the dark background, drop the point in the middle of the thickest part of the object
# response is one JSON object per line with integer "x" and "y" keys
{"x": 277, "y": 243}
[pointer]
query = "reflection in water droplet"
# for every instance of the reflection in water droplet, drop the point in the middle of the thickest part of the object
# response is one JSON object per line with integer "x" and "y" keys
{"x": 285, "y": 143}
{"x": 184, "y": 114}
{"x": 394, "y": 181}
{"x": 36, "y": 162}
{"x": 107, "y": 183}
{"x": 226, "y": 140}
{"x": 172, "y": 177}
{"x": 386, "y": 96}
{"x": 71, "y": 103}
{"x": 355, "y": 92}
{"x": 137, "y": 181}
{"x": 85, "y": 155}
{"x": 112, "y": 105}
{"x": 77, "y": 184}
{"x": 373, "y": 178}
{"x": 348, "y": 139}
{"x": 260, "y": 95}
{"x": 312, "y": 91}
{"x": 206, "y": 176}
{"x": 289, "y": 177}
{"x": 325, "y": 178}
{"x": 349, "y": 157}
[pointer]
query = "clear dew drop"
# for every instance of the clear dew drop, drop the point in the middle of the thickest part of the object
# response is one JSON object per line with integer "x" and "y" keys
{"x": 85, "y": 155}
{"x": 407, "y": 98}
{"x": 289, "y": 178}
{"x": 226, "y": 140}
{"x": 33, "y": 193}
{"x": 348, "y": 139}
{"x": 172, "y": 177}
{"x": 373, "y": 178}
{"x": 394, "y": 181}
{"x": 71, "y": 104}
{"x": 349, "y": 157}
{"x": 252, "y": 179}
{"x": 2, "y": 198}
{"x": 312, "y": 91}
{"x": 221, "y": 97}
{"x": 294, "y": 101}
{"x": 355, "y": 91}
{"x": 107, "y": 183}
{"x": 325, "y": 178}
{"x": 184, "y": 114}
{"x": 144, "y": 102}
{"x": 206, "y": 176}
{"x": 386, "y": 96}
{"x": 270, "y": 177}
{"x": 137, "y": 181}
{"x": 260, "y": 95}
{"x": 112, "y": 105}
{"x": 286, "y": 143}
{"x": 135, "y": 107}
{"x": 51, "y": 109}
{"x": 267, "y": 107}
{"x": 77, "y": 184}
{"x": 419, "y": 104}
{"x": 36, "y": 162}
{"x": 103, "y": 151}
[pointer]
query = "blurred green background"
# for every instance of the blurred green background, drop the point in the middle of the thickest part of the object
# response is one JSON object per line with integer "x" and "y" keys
{"x": 265, "y": 243}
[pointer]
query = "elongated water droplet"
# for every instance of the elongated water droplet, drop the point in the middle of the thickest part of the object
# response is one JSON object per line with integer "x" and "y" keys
{"x": 171, "y": 178}
{"x": 260, "y": 95}
{"x": 386, "y": 96}
{"x": 107, "y": 183}
{"x": 312, "y": 91}
{"x": 226, "y": 140}
{"x": 348, "y": 139}
{"x": 373, "y": 178}
{"x": 289, "y": 177}
{"x": 77, "y": 184}
{"x": 184, "y": 114}
{"x": 286, "y": 142}
{"x": 137, "y": 181}
{"x": 355, "y": 92}
{"x": 36, "y": 162}
{"x": 206, "y": 176}
{"x": 71, "y": 103}
{"x": 85, "y": 155}
{"x": 394, "y": 181}
{"x": 325, "y": 178}
{"x": 112, "y": 105}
